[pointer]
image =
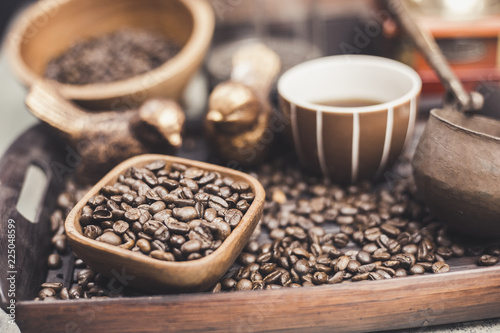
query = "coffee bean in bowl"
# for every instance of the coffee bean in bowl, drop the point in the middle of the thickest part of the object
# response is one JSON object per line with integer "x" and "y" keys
{"x": 114, "y": 56}
{"x": 168, "y": 224}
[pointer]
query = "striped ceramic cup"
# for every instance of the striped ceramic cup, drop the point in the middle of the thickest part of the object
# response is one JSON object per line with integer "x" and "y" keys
{"x": 349, "y": 116}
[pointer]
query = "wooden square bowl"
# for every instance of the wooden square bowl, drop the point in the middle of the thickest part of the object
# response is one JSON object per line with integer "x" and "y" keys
{"x": 153, "y": 275}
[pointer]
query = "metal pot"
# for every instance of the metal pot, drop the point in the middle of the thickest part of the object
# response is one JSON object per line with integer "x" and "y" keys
{"x": 457, "y": 161}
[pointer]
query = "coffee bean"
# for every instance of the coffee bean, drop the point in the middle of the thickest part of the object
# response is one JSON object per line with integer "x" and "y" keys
{"x": 360, "y": 277}
{"x": 319, "y": 278}
{"x": 85, "y": 276}
{"x": 75, "y": 292}
{"x": 185, "y": 214}
{"x": 233, "y": 217}
{"x": 120, "y": 227}
{"x": 341, "y": 263}
{"x": 46, "y": 293}
{"x": 92, "y": 231}
{"x": 406, "y": 260}
{"x": 64, "y": 293}
{"x": 375, "y": 276}
{"x": 176, "y": 227}
{"x": 440, "y": 267}
{"x": 144, "y": 246}
{"x": 487, "y": 260}
{"x": 364, "y": 257}
{"x": 54, "y": 261}
{"x": 191, "y": 246}
{"x": 110, "y": 238}
{"x": 244, "y": 284}
{"x": 410, "y": 248}
{"x": 301, "y": 267}
{"x": 417, "y": 269}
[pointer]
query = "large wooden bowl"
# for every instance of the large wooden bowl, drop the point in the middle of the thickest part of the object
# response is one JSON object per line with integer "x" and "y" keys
{"x": 156, "y": 276}
{"x": 48, "y": 28}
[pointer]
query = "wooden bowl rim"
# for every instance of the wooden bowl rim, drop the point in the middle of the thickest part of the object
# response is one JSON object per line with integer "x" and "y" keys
{"x": 108, "y": 249}
{"x": 198, "y": 42}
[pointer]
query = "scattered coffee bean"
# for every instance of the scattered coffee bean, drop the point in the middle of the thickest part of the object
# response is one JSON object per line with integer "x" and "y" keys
{"x": 487, "y": 260}
{"x": 54, "y": 261}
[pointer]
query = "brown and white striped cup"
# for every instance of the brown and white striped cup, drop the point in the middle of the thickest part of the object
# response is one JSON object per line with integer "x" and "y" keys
{"x": 349, "y": 143}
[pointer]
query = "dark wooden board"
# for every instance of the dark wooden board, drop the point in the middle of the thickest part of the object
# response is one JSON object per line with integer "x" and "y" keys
{"x": 467, "y": 293}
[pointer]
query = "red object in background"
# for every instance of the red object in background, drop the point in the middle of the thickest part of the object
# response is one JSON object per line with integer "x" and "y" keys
{"x": 471, "y": 47}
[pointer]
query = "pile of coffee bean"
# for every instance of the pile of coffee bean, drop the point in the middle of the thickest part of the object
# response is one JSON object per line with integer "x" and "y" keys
{"x": 321, "y": 233}
{"x": 176, "y": 213}
{"x": 110, "y": 57}
{"x": 314, "y": 233}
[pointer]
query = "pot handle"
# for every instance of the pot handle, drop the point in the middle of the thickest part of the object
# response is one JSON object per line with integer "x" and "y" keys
{"x": 457, "y": 96}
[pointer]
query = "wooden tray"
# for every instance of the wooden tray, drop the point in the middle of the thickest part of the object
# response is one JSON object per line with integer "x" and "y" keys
{"x": 466, "y": 293}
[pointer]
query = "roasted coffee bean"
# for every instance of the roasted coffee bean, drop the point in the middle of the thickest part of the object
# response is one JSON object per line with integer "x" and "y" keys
{"x": 110, "y": 238}
{"x": 46, "y": 293}
{"x": 155, "y": 165}
{"x": 56, "y": 286}
{"x": 440, "y": 267}
{"x": 375, "y": 276}
{"x": 162, "y": 234}
{"x": 487, "y": 260}
{"x": 193, "y": 173}
{"x": 144, "y": 245}
{"x": 92, "y": 231}
{"x": 300, "y": 253}
{"x": 217, "y": 288}
{"x": 417, "y": 269}
{"x": 458, "y": 250}
{"x": 372, "y": 234}
{"x": 191, "y": 246}
{"x": 366, "y": 268}
{"x": 360, "y": 277}
{"x": 301, "y": 267}
{"x": 243, "y": 284}
{"x": 296, "y": 232}
{"x": 60, "y": 243}
{"x": 406, "y": 260}
{"x": 185, "y": 214}
{"x": 410, "y": 248}
{"x": 240, "y": 186}
{"x": 176, "y": 227}
{"x": 151, "y": 227}
{"x": 84, "y": 277}
{"x": 54, "y": 261}
{"x": 233, "y": 217}
{"x": 353, "y": 266}
{"x": 64, "y": 294}
{"x": 341, "y": 263}
{"x": 143, "y": 235}
{"x": 120, "y": 227}
{"x": 400, "y": 272}
{"x": 75, "y": 292}
{"x": 242, "y": 205}
{"x": 228, "y": 283}
{"x": 387, "y": 270}
{"x": 158, "y": 245}
{"x": 320, "y": 278}
{"x": 364, "y": 257}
